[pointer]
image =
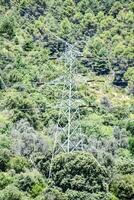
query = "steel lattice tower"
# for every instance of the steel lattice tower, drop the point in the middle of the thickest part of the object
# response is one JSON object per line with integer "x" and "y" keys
{"x": 68, "y": 136}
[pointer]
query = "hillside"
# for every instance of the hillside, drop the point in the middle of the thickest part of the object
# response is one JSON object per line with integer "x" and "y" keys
{"x": 66, "y": 100}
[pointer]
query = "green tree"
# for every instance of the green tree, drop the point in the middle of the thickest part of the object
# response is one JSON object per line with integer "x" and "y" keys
{"x": 4, "y": 159}
{"x": 129, "y": 76}
{"x": 75, "y": 195}
{"x": 54, "y": 194}
{"x": 69, "y": 8}
{"x": 12, "y": 193}
{"x": 131, "y": 145}
{"x": 89, "y": 24}
{"x": 117, "y": 6}
{"x": 5, "y": 179}
{"x": 123, "y": 187}
{"x": 65, "y": 28}
{"x": 19, "y": 164}
{"x": 31, "y": 182}
{"x": 78, "y": 171}
{"x": 130, "y": 127}
{"x": 7, "y": 27}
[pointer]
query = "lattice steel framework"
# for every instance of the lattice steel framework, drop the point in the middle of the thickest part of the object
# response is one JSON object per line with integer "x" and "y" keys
{"x": 68, "y": 135}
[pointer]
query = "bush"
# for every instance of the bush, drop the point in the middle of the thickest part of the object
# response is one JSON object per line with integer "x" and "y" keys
{"x": 4, "y": 159}
{"x": 78, "y": 171}
{"x": 125, "y": 166}
{"x": 31, "y": 182}
{"x": 42, "y": 162}
{"x": 75, "y": 195}
{"x": 4, "y": 141}
{"x": 130, "y": 127}
{"x": 120, "y": 112}
{"x": 129, "y": 77}
{"x": 26, "y": 140}
{"x": 12, "y": 193}
{"x": 5, "y": 180}
{"x": 6, "y": 27}
{"x": 131, "y": 145}
{"x": 54, "y": 194}
{"x": 19, "y": 164}
{"x": 123, "y": 187}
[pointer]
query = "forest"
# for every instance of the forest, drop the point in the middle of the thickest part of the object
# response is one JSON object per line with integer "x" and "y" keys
{"x": 66, "y": 100}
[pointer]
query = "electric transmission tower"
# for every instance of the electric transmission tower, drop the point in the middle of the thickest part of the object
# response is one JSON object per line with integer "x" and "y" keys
{"x": 68, "y": 135}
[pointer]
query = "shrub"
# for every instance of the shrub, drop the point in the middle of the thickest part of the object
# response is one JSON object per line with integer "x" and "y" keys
{"x": 75, "y": 195}
{"x": 124, "y": 163}
{"x": 42, "y": 162}
{"x": 27, "y": 140}
{"x": 54, "y": 194}
{"x": 19, "y": 164}
{"x": 123, "y": 187}
{"x": 78, "y": 171}
{"x": 131, "y": 145}
{"x": 130, "y": 127}
{"x": 31, "y": 182}
{"x": 5, "y": 180}
{"x": 125, "y": 166}
{"x": 12, "y": 193}
{"x": 129, "y": 77}
{"x": 4, "y": 141}
{"x": 120, "y": 112}
{"x": 6, "y": 27}
{"x": 4, "y": 159}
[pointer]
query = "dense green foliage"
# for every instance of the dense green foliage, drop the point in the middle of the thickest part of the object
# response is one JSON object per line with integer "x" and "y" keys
{"x": 81, "y": 172}
{"x": 32, "y": 39}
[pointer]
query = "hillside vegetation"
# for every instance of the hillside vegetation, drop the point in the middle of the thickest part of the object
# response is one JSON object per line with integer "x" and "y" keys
{"x": 33, "y": 37}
